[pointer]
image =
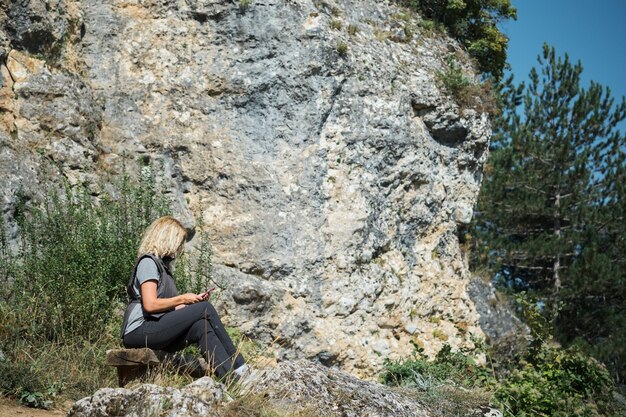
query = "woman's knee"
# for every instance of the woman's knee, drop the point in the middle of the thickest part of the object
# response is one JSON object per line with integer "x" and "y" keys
{"x": 210, "y": 309}
{"x": 202, "y": 311}
{"x": 199, "y": 329}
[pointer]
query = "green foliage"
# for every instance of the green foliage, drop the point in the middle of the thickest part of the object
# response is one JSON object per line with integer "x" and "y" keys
{"x": 65, "y": 368}
{"x": 196, "y": 277}
{"x": 475, "y": 24}
{"x": 452, "y": 384}
{"x": 342, "y": 48}
{"x": 431, "y": 26}
{"x": 34, "y": 399}
{"x": 558, "y": 382}
{"x": 466, "y": 92}
{"x": 548, "y": 381}
{"x": 537, "y": 318}
{"x": 63, "y": 286}
{"x": 245, "y": 4}
{"x": 75, "y": 257}
{"x": 545, "y": 380}
{"x": 549, "y": 219}
{"x": 458, "y": 368}
{"x": 17, "y": 379}
{"x": 453, "y": 79}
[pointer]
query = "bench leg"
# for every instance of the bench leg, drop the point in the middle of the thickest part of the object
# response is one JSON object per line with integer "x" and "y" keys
{"x": 126, "y": 374}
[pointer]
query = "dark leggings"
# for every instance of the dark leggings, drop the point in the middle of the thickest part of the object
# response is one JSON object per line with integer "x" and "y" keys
{"x": 195, "y": 323}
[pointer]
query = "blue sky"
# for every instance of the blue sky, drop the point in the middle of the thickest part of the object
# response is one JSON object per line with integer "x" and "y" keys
{"x": 591, "y": 31}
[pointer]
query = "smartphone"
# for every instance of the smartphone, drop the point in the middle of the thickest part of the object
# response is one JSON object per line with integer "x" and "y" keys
{"x": 207, "y": 293}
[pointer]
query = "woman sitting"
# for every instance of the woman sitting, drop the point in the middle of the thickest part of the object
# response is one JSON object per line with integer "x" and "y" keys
{"x": 159, "y": 317}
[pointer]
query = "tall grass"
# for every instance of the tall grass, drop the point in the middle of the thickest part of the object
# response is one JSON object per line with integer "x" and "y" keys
{"x": 63, "y": 286}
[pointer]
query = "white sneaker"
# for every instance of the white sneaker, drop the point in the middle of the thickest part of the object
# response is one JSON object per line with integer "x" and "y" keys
{"x": 249, "y": 378}
{"x": 243, "y": 370}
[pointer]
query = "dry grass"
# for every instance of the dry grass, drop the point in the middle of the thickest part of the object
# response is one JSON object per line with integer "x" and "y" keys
{"x": 165, "y": 375}
{"x": 440, "y": 334}
{"x": 261, "y": 405}
{"x": 479, "y": 97}
{"x": 449, "y": 401}
{"x": 381, "y": 35}
{"x": 335, "y": 24}
{"x": 342, "y": 48}
{"x": 59, "y": 371}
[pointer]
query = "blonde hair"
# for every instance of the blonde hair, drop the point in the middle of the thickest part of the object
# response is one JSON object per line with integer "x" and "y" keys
{"x": 165, "y": 237}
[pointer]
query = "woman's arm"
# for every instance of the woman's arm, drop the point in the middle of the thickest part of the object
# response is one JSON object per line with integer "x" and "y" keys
{"x": 153, "y": 304}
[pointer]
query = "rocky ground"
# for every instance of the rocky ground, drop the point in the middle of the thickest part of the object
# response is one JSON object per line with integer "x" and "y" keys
{"x": 299, "y": 388}
{"x": 9, "y": 408}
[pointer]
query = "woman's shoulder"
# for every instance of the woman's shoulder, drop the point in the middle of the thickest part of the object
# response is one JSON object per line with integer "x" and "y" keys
{"x": 147, "y": 266}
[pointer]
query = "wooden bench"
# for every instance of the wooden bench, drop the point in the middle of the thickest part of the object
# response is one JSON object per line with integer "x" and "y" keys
{"x": 132, "y": 364}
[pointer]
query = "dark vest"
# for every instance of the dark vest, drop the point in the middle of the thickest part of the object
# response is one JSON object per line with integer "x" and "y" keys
{"x": 166, "y": 288}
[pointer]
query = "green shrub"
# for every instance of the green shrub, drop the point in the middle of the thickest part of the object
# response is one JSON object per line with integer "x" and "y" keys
{"x": 75, "y": 257}
{"x": 452, "y": 384}
{"x": 453, "y": 78}
{"x": 197, "y": 276}
{"x": 548, "y": 381}
{"x": 431, "y": 26}
{"x": 475, "y": 24}
{"x": 466, "y": 92}
{"x": 342, "y": 48}
{"x": 557, "y": 382}
{"x": 458, "y": 368}
{"x": 63, "y": 286}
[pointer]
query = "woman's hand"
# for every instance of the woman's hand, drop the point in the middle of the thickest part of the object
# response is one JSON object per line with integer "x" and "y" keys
{"x": 191, "y": 298}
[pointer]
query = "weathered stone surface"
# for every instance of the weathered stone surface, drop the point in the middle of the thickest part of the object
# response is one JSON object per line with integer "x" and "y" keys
{"x": 200, "y": 398}
{"x": 333, "y": 392}
{"x": 7, "y": 99}
{"x": 38, "y": 26}
{"x": 333, "y": 186}
{"x": 497, "y": 319}
{"x": 297, "y": 386}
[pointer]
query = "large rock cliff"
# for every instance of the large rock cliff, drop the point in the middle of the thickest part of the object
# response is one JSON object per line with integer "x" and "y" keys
{"x": 331, "y": 169}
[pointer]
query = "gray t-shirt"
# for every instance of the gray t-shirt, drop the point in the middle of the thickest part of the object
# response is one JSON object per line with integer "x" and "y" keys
{"x": 146, "y": 270}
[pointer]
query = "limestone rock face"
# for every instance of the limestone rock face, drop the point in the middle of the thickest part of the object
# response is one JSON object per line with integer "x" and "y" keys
{"x": 497, "y": 319}
{"x": 331, "y": 169}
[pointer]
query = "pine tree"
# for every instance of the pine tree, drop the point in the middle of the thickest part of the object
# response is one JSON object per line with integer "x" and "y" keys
{"x": 550, "y": 214}
{"x": 593, "y": 305}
